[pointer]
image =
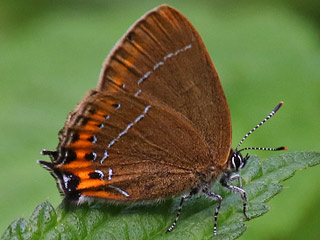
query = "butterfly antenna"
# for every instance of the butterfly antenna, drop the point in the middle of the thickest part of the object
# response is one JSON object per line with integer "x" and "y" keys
{"x": 263, "y": 148}
{"x": 256, "y": 127}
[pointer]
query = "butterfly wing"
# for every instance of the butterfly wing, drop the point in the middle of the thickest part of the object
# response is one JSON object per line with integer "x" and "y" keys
{"x": 163, "y": 58}
{"x": 157, "y": 121}
{"x": 130, "y": 148}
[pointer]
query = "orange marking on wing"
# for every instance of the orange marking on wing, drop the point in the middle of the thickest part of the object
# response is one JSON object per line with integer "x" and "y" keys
{"x": 81, "y": 143}
{"x": 99, "y": 114}
{"x": 117, "y": 79}
{"x": 128, "y": 62}
{"x": 108, "y": 102}
{"x": 92, "y": 124}
{"x": 112, "y": 89}
{"x": 75, "y": 164}
{"x": 83, "y": 173}
{"x": 84, "y": 136}
{"x": 103, "y": 194}
{"x": 90, "y": 183}
{"x": 90, "y": 127}
{"x": 81, "y": 153}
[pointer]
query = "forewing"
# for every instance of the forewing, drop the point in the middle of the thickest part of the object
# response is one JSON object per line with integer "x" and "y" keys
{"x": 162, "y": 58}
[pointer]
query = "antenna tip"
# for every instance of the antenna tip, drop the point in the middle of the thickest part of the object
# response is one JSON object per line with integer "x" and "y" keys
{"x": 278, "y": 106}
{"x": 282, "y": 148}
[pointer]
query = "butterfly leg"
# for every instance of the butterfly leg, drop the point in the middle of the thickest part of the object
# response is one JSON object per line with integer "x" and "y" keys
{"x": 234, "y": 177}
{"x": 225, "y": 182}
{"x": 184, "y": 197}
{"x": 217, "y": 197}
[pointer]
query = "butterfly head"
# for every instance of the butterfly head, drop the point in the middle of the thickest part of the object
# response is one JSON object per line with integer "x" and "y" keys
{"x": 237, "y": 161}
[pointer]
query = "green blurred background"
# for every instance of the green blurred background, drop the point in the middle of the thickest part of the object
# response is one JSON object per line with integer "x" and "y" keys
{"x": 52, "y": 51}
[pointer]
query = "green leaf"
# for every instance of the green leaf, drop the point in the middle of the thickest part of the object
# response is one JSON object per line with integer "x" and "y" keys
{"x": 97, "y": 220}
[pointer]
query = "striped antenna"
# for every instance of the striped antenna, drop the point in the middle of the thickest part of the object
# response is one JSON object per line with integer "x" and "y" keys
{"x": 256, "y": 127}
{"x": 263, "y": 148}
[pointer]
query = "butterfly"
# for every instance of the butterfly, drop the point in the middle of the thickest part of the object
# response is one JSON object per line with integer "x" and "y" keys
{"x": 157, "y": 124}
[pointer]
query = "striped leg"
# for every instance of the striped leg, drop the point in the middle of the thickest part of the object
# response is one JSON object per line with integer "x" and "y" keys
{"x": 184, "y": 197}
{"x": 243, "y": 195}
{"x": 225, "y": 182}
{"x": 217, "y": 197}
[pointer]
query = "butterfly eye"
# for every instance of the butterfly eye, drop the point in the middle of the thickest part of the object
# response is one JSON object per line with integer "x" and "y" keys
{"x": 237, "y": 162}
